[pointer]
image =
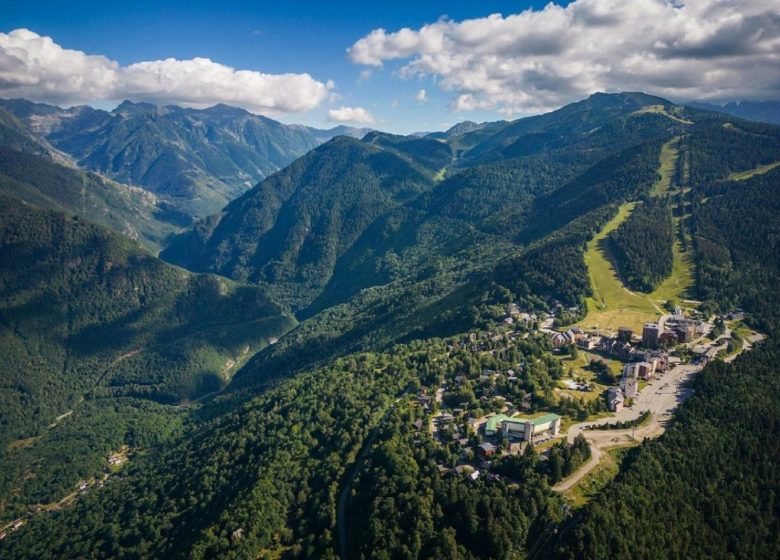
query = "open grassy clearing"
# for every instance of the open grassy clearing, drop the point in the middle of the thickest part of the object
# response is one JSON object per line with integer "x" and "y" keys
{"x": 666, "y": 167}
{"x": 596, "y": 480}
{"x": 578, "y": 366}
{"x": 22, "y": 443}
{"x": 760, "y": 170}
{"x": 680, "y": 280}
{"x": 612, "y": 305}
{"x": 661, "y": 110}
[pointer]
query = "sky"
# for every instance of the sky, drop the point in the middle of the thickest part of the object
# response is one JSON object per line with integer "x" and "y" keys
{"x": 398, "y": 66}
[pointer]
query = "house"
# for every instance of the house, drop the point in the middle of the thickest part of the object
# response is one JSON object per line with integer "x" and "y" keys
{"x": 588, "y": 342}
{"x": 736, "y": 315}
{"x": 641, "y": 370}
{"x": 473, "y": 477}
{"x": 621, "y": 350}
{"x": 685, "y": 331}
{"x": 650, "y": 335}
{"x": 629, "y": 386}
{"x": 487, "y": 449}
{"x": 418, "y": 424}
{"x": 527, "y": 319}
{"x": 571, "y": 336}
{"x": 615, "y": 399}
{"x": 646, "y": 370}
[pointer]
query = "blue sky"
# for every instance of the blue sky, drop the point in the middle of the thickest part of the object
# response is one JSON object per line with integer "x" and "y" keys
{"x": 273, "y": 37}
{"x": 549, "y": 59}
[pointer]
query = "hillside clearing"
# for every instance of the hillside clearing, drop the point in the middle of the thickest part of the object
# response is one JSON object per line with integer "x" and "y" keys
{"x": 661, "y": 110}
{"x": 596, "y": 480}
{"x": 667, "y": 164}
{"x": 612, "y": 305}
{"x": 760, "y": 170}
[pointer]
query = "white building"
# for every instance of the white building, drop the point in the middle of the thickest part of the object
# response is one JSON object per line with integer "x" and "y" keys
{"x": 523, "y": 429}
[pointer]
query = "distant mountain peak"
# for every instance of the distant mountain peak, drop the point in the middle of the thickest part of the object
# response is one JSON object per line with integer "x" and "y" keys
{"x": 128, "y": 108}
{"x": 221, "y": 109}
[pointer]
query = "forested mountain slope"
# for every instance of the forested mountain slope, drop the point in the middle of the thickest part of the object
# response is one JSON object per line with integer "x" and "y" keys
{"x": 130, "y": 211}
{"x": 88, "y": 296}
{"x": 33, "y": 171}
{"x": 285, "y": 233}
{"x": 707, "y": 488}
{"x": 85, "y": 314}
{"x": 290, "y": 230}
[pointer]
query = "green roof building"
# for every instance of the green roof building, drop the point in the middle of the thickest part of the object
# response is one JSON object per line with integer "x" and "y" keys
{"x": 523, "y": 428}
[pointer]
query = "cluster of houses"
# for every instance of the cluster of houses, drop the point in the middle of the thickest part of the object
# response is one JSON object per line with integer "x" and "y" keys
{"x": 515, "y": 315}
{"x": 624, "y": 347}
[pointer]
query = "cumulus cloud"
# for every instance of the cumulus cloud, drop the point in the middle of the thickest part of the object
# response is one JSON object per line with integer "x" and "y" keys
{"x": 37, "y": 68}
{"x": 540, "y": 59}
{"x": 356, "y": 115}
{"x": 422, "y": 96}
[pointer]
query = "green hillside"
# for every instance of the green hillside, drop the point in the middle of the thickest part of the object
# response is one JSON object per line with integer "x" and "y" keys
{"x": 87, "y": 317}
{"x": 290, "y": 231}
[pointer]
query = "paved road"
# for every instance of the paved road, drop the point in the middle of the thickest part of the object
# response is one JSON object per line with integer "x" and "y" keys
{"x": 660, "y": 397}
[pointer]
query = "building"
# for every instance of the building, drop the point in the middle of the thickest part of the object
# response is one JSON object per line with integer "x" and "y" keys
{"x": 668, "y": 338}
{"x": 624, "y": 334}
{"x": 524, "y": 429}
{"x": 588, "y": 342}
{"x": 646, "y": 370}
{"x": 561, "y": 339}
{"x": 650, "y": 335}
{"x": 659, "y": 359}
{"x": 621, "y": 350}
{"x": 615, "y": 399}
{"x": 487, "y": 449}
{"x": 685, "y": 331}
{"x": 629, "y": 386}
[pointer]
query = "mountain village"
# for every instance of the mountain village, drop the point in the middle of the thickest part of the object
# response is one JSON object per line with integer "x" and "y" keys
{"x": 623, "y": 367}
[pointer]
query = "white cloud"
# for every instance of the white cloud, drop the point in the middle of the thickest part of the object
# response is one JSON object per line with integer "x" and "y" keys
{"x": 541, "y": 59}
{"x": 357, "y": 115}
{"x": 37, "y": 68}
{"x": 422, "y": 96}
{"x": 365, "y": 75}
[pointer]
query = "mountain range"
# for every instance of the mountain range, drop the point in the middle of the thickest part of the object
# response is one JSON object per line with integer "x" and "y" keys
{"x": 263, "y": 380}
{"x": 761, "y": 111}
{"x": 196, "y": 160}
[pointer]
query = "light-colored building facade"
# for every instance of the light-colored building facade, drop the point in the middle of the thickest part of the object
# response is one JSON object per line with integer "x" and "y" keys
{"x": 523, "y": 429}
